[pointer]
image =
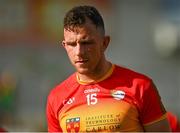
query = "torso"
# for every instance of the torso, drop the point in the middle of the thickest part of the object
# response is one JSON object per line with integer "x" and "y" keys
{"x": 98, "y": 111}
{"x": 113, "y": 104}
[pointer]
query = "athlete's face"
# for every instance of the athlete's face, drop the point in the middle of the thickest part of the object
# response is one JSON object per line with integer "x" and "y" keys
{"x": 85, "y": 46}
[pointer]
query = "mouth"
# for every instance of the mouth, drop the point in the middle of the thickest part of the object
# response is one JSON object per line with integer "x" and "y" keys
{"x": 81, "y": 61}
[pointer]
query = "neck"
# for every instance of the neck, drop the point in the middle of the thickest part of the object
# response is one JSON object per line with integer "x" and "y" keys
{"x": 98, "y": 73}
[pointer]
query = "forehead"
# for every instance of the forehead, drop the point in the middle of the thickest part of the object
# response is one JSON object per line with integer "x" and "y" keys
{"x": 85, "y": 31}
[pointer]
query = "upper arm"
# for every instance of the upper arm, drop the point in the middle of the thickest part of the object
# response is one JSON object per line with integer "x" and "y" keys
{"x": 52, "y": 121}
{"x": 153, "y": 114}
{"x": 159, "y": 126}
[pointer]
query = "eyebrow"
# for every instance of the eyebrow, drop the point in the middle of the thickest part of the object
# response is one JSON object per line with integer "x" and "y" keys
{"x": 81, "y": 40}
{"x": 86, "y": 40}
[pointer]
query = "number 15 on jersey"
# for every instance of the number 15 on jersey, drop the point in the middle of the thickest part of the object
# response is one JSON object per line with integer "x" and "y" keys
{"x": 91, "y": 99}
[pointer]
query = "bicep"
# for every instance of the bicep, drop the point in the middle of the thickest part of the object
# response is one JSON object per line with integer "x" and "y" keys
{"x": 52, "y": 121}
{"x": 160, "y": 126}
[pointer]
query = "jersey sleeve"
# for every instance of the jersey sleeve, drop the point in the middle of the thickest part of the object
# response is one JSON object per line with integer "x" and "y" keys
{"x": 52, "y": 121}
{"x": 152, "y": 109}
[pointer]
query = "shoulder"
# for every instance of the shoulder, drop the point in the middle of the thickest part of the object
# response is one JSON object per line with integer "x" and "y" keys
{"x": 138, "y": 84}
{"x": 131, "y": 75}
{"x": 58, "y": 92}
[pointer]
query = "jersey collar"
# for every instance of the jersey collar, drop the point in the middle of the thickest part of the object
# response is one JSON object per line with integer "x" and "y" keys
{"x": 108, "y": 74}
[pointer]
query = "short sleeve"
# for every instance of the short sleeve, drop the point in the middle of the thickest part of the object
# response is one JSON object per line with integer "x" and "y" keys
{"x": 52, "y": 121}
{"x": 152, "y": 108}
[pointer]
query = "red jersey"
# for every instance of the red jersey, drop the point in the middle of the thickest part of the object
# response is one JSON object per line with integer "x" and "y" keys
{"x": 123, "y": 100}
{"x": 2, "y": 129}
{"x": 173, "y": 122}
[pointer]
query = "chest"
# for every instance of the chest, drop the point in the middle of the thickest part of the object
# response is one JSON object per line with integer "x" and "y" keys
{"x": 92, "y": 109}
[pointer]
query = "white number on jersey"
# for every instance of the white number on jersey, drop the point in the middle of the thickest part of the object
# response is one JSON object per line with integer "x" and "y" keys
{"x": 91, "y": 99}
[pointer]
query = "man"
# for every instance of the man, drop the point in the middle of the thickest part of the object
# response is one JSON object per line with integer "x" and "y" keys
{"x": 100, "y": 96}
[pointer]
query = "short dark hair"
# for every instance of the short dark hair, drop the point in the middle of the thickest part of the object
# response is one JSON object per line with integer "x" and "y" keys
{"x": 77, "y": 16}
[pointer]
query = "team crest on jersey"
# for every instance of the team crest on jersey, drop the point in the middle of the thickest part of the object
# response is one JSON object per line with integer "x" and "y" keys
{"x": 73, "y": 124}
{"x": 118, "y": 94}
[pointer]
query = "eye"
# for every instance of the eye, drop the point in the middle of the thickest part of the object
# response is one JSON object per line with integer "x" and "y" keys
{"x": 87, "y": 42}
{"x": 71, "y": 44}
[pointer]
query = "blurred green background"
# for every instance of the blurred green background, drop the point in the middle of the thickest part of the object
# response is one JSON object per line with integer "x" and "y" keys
{"x": 145, "y": 36}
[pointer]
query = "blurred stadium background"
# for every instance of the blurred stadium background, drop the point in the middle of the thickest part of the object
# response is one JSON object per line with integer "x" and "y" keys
{"x": 145, "y": 36}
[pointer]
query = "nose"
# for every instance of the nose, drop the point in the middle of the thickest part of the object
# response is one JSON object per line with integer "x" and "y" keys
{"x": 79, "y": 50}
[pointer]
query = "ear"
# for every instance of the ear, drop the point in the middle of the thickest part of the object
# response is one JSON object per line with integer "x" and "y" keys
{"x": 63, "y": 43}
{"x": 106, "y": 42}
